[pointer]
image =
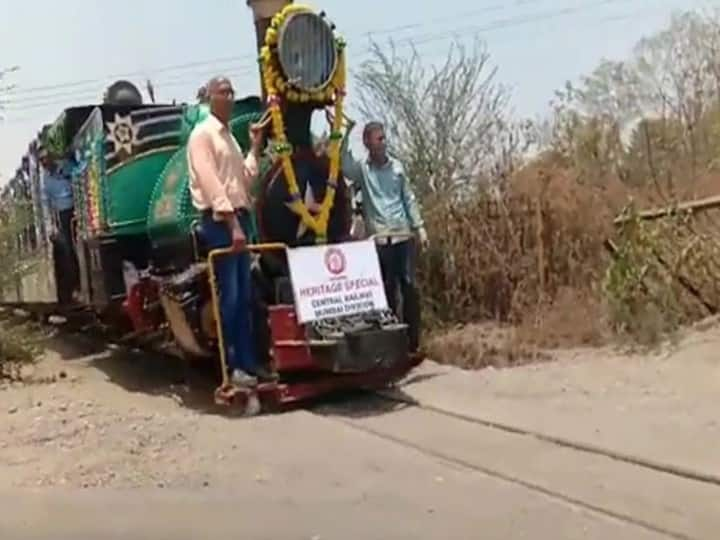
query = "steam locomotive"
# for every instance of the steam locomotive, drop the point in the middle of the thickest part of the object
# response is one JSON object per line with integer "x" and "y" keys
{"x": 144, "y": 270}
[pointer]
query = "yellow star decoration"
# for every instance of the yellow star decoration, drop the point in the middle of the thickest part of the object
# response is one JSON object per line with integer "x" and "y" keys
{"x": 313, "y": 207}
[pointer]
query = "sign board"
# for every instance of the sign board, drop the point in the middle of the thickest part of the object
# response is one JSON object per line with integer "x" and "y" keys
{"x": 336, "y": 280}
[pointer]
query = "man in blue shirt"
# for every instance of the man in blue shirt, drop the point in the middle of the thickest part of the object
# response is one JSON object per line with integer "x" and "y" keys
{"x": 390, "y": 212}
{"x": 58, "y": 199}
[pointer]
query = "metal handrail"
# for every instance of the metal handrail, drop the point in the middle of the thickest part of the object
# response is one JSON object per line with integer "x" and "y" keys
{"x": 222, "y": 252}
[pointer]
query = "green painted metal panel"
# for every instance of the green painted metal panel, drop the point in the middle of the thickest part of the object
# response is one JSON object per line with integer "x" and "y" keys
{"x": 170, "y": 212}
{"x": 128, "y": 190}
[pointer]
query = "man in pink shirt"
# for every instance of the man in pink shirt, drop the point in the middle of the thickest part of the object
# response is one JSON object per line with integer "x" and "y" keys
{"x": 220, "y": 178}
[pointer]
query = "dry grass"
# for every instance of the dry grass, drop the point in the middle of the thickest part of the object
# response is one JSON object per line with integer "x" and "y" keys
{"x": 573, "y": 318}
{"x": 666, "y": 274}
{"x": 480, "y": 345}
{"x": 509, "y": 278}
{"x": 507, "y": 259}
{"x": 20, "y": 345}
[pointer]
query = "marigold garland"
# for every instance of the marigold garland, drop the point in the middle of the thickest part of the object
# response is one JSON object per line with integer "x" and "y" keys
{"x": 278, "y": 88}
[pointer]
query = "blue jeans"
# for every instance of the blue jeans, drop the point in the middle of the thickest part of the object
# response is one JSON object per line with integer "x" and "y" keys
{"x": 235, "y": 294}
{"x": 397, "y": 263}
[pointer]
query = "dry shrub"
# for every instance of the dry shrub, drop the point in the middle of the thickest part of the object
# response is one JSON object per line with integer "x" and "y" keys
{"x": 477, "y": 264}
{"x": 573, "y": 318}
{"x": 529, "y": 259}
{"x": 480, "y": 345}
{"x": 502, "y": 258}
{"x": 20, "y": 344}
{"x": 549, "y": 274}
{"x": 665, "y": 274}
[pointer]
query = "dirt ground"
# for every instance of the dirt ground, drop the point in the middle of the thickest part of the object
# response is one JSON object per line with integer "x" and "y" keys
{"x": 122, "y": 420}
{"x": 144, "y": 430}
{"x": 112, "y": 418}
{"x": 659, "y": 405}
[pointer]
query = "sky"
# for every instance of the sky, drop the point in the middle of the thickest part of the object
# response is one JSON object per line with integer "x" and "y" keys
{"x": 69, "y": 52}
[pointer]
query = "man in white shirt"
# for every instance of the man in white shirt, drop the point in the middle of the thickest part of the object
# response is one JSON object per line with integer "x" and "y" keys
{"x": 220, "y": 180}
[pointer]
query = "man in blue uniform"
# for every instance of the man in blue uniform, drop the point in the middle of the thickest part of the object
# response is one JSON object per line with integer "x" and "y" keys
{"x": 391, "y": 212}
{"x": 58, "y": 199}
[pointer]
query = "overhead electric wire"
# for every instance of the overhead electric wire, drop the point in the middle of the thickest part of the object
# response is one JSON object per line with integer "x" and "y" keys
{"x": 26, "y": 102}
{"x": 32, "y": 104}
{"x": 73, "y": 93}
{"x": 198, "y": 63}
{"x": 453, "y": 17}
{"x": 93, "y": 94}
{"x": 423, "y": 38}
{"x": 139, "y": 73}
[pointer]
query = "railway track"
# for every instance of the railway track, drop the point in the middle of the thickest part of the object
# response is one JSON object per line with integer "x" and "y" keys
{"x": 594, "y": 480}
{"x": 665, "y": 468}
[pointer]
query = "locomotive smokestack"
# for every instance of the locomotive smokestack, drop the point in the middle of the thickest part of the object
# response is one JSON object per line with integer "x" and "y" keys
{"x": 263, "y": 12}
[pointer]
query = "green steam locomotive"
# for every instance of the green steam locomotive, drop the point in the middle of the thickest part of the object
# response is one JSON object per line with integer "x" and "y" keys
{"x": 144, "y": 270}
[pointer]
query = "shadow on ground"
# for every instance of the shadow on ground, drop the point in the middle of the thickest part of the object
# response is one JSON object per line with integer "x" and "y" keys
{"x": 193, "y": 385}
{"x": 365, "y": 404}
{"x": 140, "y": 372}
{"x": 358, "y": 404}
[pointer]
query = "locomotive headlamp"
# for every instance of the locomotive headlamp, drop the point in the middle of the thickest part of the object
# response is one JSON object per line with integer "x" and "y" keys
{"x": 307, "y": 51}
{"x": 303, "y": 61}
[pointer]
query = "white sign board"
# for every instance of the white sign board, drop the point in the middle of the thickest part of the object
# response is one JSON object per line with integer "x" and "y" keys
{"x": 336, "y": 280}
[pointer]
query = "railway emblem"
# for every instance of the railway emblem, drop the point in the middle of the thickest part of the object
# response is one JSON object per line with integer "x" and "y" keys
{"x": 122, "y": 134}
{"x": 335, "y": 261}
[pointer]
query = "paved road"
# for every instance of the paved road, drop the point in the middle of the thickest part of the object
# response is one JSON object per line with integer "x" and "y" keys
{"x": 369, "y": 468}
{"x": 464, "y": 508}
{"x": 372, "y": 470}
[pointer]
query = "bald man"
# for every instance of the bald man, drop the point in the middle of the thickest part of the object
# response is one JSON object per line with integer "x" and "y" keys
{"x": 220, "y": 179}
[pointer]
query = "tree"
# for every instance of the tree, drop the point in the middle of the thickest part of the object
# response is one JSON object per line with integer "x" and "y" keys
{"x": 672, "y": 79}
{"x": 15, "y": 345}
{"x": 610, "y": 92}
{"x": 449, "y": 125}
{"x": 585, "y": 129}
{"x": 678, "y": 72}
